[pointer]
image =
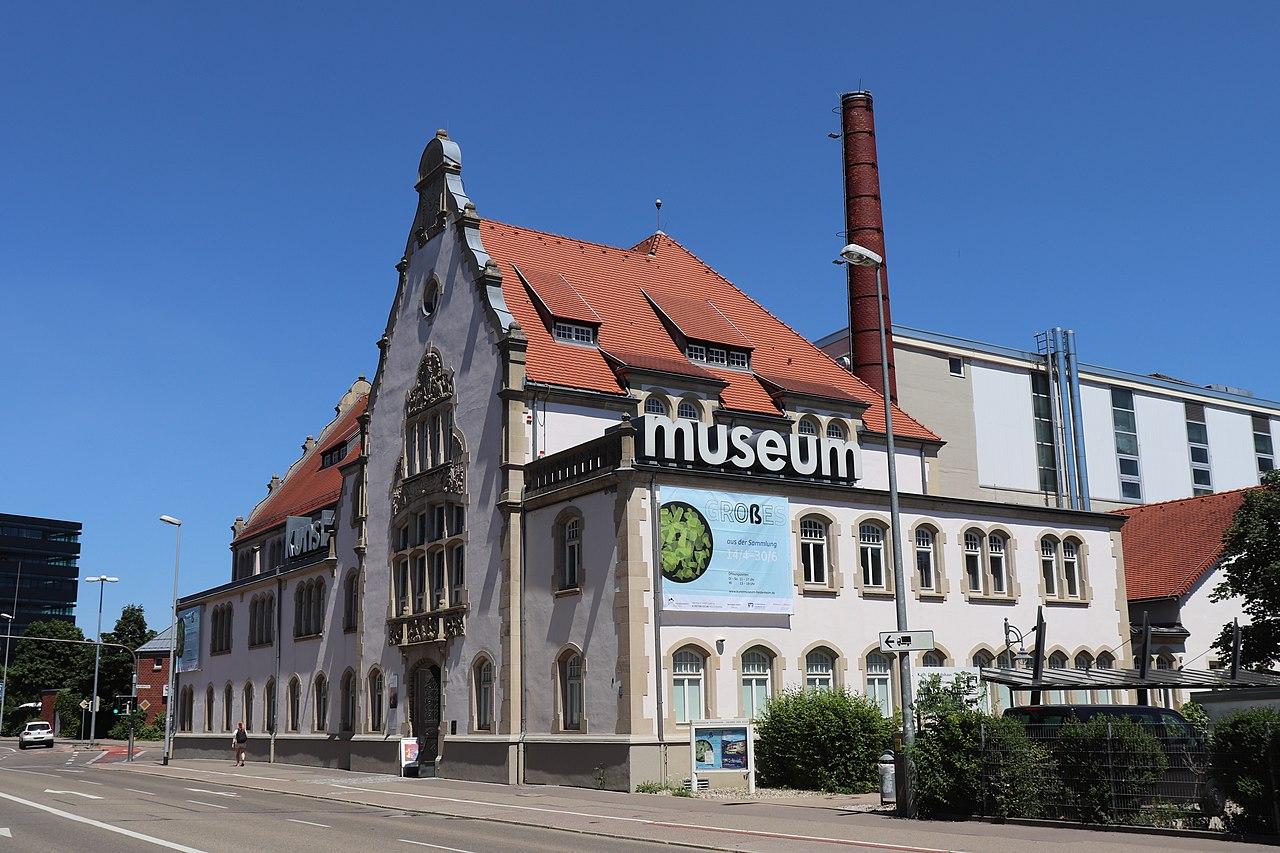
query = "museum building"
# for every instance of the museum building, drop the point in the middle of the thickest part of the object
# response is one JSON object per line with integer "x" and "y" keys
{"x": 593, "y": 493}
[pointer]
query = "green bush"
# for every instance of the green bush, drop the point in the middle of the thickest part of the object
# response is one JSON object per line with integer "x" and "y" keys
{"x": 1246, "y": 750}
{"x": 142, "y": 730}
{"x": 1107, "y": 768}
{"x": 69, "y": 714}
{"x": 821, "y": 740}
{"x": 967, "y": 762}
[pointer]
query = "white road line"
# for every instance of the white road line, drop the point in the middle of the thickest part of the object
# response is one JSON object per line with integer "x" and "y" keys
{"x": 136, "y": 791}
{"x": 32, "y": 772}
{"x": 873, "y": 845}
{"x": 309, "y": 823}
{"x": 96, "y": 757}
{"x": 77, "y": 793}
{"x": 435, "y": 846}
{"x": 215, "y": 793}
{"x": 210, "y": 805}
{"x": 160, "y": 842}
{"x": 67, "y": 770}
{"x": 11, "y": 749}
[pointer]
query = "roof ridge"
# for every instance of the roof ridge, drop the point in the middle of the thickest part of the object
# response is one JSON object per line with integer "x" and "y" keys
{"x": 571, "y": 239}
{"x": 1142, "y": 507}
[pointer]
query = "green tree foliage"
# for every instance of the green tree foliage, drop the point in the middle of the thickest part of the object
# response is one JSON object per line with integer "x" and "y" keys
{"x": 1251, "y": 570}
{"x": 116, "y": 668}
{"x": 821, "y": 740}
{"x": 1246, "y": 755}
{"x": 37, "y": 666}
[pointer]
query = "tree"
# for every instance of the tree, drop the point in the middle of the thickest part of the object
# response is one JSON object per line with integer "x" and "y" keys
{"x": 1251, "y": 570}
{"x": 40, "y": 666}
{"x": 116, "y": 669}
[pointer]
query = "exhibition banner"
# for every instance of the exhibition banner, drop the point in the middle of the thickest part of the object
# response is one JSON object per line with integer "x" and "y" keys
{"x": 188, "y": 651}
{"x": 725, "y": 551}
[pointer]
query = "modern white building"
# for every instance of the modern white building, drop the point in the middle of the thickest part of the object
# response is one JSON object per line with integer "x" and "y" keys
{"x": 593, "y": 493}
{"x": 1027, "y": 427}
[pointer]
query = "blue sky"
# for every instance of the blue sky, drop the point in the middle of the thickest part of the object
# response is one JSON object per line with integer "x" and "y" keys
{"x": 202, "y": 205}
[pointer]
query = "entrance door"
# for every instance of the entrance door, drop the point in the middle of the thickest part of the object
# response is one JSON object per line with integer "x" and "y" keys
{"x": 426, "y": 714}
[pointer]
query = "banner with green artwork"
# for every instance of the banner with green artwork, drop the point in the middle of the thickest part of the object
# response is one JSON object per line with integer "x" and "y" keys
{"x": 725, "y": 551}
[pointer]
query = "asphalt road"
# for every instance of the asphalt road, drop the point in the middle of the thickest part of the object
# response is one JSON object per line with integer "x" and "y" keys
{"x": 56, "y": 800}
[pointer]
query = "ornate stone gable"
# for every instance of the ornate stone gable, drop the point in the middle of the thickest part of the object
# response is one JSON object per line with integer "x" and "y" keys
{"x": 434, "y": 385}
{"x": 449, "y": 479}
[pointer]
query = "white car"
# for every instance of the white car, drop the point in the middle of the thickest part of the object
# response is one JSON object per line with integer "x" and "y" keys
{"x": 35, "y": 734}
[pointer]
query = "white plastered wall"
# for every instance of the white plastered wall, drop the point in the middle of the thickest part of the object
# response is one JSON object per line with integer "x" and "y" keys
{"x": 1162, "y": 447}
{"x": 1005, "y": 427}
{"x": 1231, "y": 455}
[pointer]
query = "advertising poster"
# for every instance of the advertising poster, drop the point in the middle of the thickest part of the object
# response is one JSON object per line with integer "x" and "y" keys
{"x": 720, "y": 749}
{"x": 188, "y": 650}
{"x": 408, "y": 752}
{"x": 725, "y": 551}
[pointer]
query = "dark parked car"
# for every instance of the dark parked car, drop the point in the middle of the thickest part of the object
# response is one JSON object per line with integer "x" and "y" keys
{"x": 1164, "y": 723}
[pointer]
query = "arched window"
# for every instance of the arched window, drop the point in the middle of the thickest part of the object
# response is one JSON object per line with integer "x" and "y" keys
{"x": 1071, "y": 568}
{"x": 459, "y": 574}
{"x": 208, "y": 708}
{"x": 269, "y": 712}
{"x": 569, "y": 552}
{"x": 1084, "y": 662}
{"x": 439, "y": 594}
{"x": 571, "y": 698}
{"x": 820, "y": 670}
{"x": 294, "y": 704}
{"x": 813, "y": 550}
{"x": 1105, "y": 660}
{"x": 186, "y": 704}
{"x": 655, "y": 405}
{"x": 757, "y": 670}
{"x": 1165, "y": 661}
{"x": 933, "y": 658}
{"x": 688, "y": 410}
{"x": 996, "y": 697}
{"x": 687, "y": 684}
{"x": 227, "y": 710}
{"x": 807, "y": 426}
{"x": 1049, "y": 565}
{"x": 308, "y": 608}
{"x": 926, "y": 560}
{"x": 996, "y": 563}
{"x": 973, "y": 560}
{"x": 871, "y": 555}
{"x": 879, "y": 684}
{"x": 351, "y": 601}
{"x": 836, "y": 430}
{"x": 322, "y": 703}
{"x": 1057, "y": 660}
{"x": 482, "y": 678}
{"x": 248, "y": 706}
{"x": 348, "y": 700}
{"x": 375, "y": 701}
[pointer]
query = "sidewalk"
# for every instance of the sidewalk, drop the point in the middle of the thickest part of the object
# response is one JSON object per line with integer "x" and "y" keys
{"x": 757, "y": 825}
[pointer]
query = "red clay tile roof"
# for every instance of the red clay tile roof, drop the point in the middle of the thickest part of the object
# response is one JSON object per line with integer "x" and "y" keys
{"x": 1169, "y": 546}
{"x": 306, "y": 487}
{"x": 614, "y": 282}
{"x": 560, "y": 297}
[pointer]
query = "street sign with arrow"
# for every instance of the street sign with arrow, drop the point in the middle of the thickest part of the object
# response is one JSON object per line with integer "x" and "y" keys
{"x": 906, "y": 641}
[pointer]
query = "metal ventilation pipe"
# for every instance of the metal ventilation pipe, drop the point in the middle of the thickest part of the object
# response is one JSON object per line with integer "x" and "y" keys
{"x": 1062, "y": 412}
{"x": 1077, "y": 418}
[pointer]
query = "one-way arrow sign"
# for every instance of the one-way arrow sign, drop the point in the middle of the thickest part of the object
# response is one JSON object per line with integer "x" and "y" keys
{"x": 906, "y": 641}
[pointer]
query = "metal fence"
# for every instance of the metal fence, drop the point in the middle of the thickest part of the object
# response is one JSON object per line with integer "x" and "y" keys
{"x": 1106, "y": 772}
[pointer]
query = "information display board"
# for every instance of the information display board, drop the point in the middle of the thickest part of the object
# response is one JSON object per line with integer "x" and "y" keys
{"x": 717, "y": 745}
{"x": 188, "y": 640}
{"x": 408, "y": 753}
{"x": 727, "y": 552}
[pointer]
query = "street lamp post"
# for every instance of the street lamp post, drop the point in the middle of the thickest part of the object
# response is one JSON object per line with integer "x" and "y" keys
{"x": 169, "y": 703}
{"x": 4, "y": 685}
{"x": 101, "y": 581}
{"x": 864, "y": 257}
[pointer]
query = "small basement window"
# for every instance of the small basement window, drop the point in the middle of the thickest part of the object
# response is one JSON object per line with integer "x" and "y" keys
{"x": 574, "y": 333}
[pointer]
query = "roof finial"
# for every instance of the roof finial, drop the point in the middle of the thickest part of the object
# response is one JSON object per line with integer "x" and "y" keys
{"x": 657, "y": 203}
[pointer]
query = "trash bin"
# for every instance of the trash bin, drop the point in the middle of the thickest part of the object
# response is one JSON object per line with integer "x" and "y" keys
{"x": 888, "y": 784}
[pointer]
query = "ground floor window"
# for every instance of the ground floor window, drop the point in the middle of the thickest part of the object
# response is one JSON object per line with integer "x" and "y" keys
{"x": 322, "y": 703}
{"x": 756, "y": 672}
{"x": 571, "y": 699}
{"x": 879, "y": 685}
{"x": 484, "y": 695}
{"x": 819, "y": 670}
{"x": 687, "y": 671}
{"x": 375, "y": 701}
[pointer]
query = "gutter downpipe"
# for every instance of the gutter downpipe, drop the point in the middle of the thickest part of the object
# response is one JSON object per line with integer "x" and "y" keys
{"x": 524, "y": 487}
{"x": 1063, "y": 410}
{"x": 1077, "y": 418}
{"x": 275, "y": 703}
{"x": 655, "y": 534}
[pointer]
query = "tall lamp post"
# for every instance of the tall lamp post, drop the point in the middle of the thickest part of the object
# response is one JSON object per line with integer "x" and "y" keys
{"x": 4, "y": 685}
{"x": 101, "y": 581}
{"x": 169, "y": 703}
{"x": 861, "y": 256}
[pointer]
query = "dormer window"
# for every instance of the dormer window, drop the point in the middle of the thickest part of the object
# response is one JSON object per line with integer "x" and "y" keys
{"x": 716, "y": 355}
{"x": 696, "y": 352}
{"x": 574, "y": 333}
{"x": 738, "y": 360}
{"x": 333, "y": 455}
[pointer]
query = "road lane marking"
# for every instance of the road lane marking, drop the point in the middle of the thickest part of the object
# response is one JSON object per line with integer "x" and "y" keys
{"x": 67, "y": 770}
{"x": 150, "y": 839}
{"x": 872, "y": 845}
{"x": 96, "y": 757}
{"x": 32, "y": 772}
{"x": 435, "y": 846}
{"x": 77, "y": 793}
{"x": 210, "y": 805}
{"x": 136, "y": 791}
{"x": 309, "y": 823}
{"x": 215, "y": 793}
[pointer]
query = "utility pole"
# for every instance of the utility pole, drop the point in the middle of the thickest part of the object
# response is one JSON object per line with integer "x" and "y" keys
{"x": 101, "y": 581}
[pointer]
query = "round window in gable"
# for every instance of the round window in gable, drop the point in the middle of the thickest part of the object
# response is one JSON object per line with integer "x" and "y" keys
{"x": 431, "y": 297}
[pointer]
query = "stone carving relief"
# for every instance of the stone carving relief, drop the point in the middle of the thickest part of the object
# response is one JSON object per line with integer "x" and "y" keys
{"x": 434, "y": 385}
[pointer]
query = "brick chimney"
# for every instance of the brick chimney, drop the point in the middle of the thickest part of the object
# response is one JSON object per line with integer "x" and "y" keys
{"x": 864, "y": 225}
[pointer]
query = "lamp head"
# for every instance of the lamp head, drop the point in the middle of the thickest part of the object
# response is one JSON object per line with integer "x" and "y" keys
{"x": 861, "y": 256}
{"x": 6, "y": 616}
{"x": 169, "y": 519}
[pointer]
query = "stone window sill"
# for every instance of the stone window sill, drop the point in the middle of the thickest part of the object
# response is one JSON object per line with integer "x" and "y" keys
{"x": 567, "y": 591}
{"x": 990, "y": 598}
{"x": 819, "y": 591}
{"x": 931, "y": 595}
{"x": 1067, "y": 602}
{"x": 875, "y": 592}
{"x": 300, "y": 637}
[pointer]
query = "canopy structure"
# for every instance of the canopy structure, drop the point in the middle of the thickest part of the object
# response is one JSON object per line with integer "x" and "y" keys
{"x": 1102, "y": 679}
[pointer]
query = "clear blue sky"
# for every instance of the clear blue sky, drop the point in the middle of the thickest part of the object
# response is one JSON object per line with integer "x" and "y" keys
{"x": 201, "y": 205}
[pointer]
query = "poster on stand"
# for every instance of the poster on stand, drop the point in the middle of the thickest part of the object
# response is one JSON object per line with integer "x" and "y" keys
{"x": 188, "y": 650}
{"x": 726, "y": 552}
